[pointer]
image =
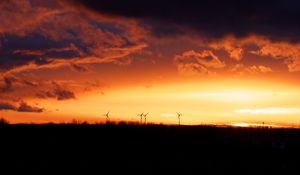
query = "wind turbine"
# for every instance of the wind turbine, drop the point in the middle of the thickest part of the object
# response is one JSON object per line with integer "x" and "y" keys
{"x": 107, "y": 116}
{"x": 178, "y": 116}
{"x": 145, "y": 118}
{"x": 141, "y": 115}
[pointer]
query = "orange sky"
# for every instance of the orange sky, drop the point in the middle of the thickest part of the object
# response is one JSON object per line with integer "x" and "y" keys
{"x": 213, "y": 101}
{"x": 62, "y": 62}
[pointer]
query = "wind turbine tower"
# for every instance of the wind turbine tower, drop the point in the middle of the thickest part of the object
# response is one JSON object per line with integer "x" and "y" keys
{"x": 179, "y": 117}
{"x": 145, "y": 118}
{"x": 107, "y": 116}
{"x": 141, "y": 116}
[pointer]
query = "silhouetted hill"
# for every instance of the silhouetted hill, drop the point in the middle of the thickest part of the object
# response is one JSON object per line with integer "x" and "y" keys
{"x": 151, "y": 149}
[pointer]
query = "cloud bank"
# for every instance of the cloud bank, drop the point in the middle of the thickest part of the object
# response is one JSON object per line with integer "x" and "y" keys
{"x": 276, "y": 19}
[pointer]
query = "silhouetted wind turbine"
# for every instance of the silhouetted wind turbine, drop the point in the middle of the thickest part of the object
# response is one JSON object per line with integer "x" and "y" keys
{"x": 178, "y": 116}
{"x": 145, "y": 118}
{"x": 107, "y": 116}
{"x": 141, "y": 115}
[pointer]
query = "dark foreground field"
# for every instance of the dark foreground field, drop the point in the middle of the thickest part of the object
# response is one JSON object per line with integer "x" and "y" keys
{"x": 152, "y": 149}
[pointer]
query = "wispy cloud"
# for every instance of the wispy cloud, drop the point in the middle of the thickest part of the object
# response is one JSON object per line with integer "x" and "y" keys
{"x": 193, "y": 63}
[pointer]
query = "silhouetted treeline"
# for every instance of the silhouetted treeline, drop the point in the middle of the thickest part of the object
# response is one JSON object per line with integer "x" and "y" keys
{"x": 149, "y": 149}
{"x": 3, "y": 121}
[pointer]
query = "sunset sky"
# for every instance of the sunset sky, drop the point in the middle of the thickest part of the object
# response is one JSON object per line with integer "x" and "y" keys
{"x": 217, "y": 62}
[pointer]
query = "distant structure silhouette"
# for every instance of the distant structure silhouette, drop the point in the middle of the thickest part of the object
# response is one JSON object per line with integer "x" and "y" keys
{"x": 179, "y": 116}
{"x": 141, "y": 116}
{"x": 107, "y": 116}
{"x": 145, "y": 118}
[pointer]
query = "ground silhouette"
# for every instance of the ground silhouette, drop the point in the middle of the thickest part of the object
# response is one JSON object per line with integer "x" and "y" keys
{"x": 147, "y": 149}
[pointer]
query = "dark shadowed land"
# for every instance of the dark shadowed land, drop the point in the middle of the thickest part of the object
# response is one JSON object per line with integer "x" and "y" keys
{"x": 149, "y": 149}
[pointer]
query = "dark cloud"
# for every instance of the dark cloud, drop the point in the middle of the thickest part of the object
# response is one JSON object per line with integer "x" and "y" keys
{"x": 277, "y": 19}
{"x": 35, "y": 49}
{"x": 23, "y": 107}
{"x": 45, "y": 94}
{"x": 58, "y": 92}
{"x": 7, "y": 106}
{"x": 7, "y": 84}
{"x": 63, "y": 94}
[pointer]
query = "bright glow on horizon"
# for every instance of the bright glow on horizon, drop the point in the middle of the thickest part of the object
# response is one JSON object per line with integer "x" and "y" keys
{"x": 275, "y": 111}
{"x": 240, "y": 124}
{"x": 254, "y": 125}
